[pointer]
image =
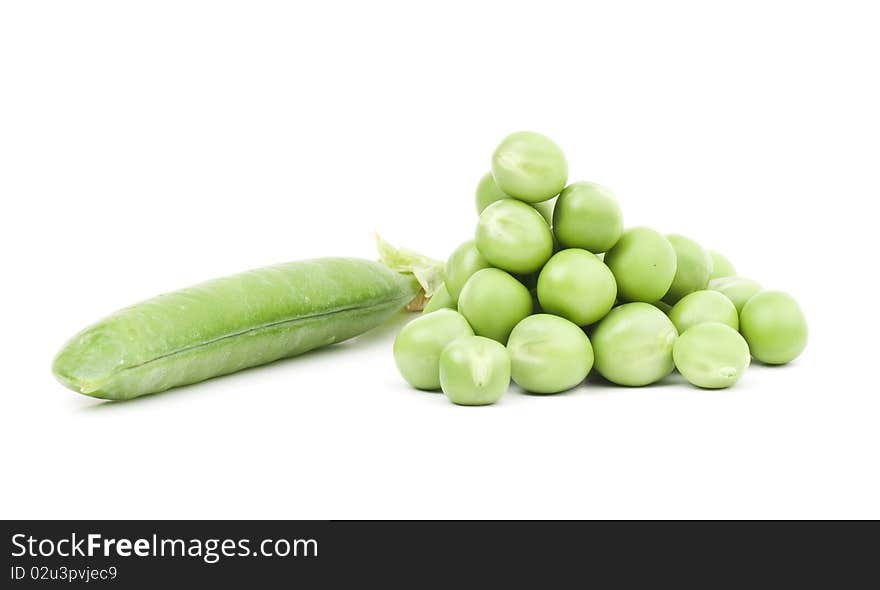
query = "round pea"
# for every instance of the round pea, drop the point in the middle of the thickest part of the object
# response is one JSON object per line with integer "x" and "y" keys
{"x": 721, "y": 266}
{"x": 576, "y": 285}
{"x": 587, "y": 216}
{"x": 461, "y": 265}
{"x": 493, "y": 302}
{"x": 692, "y": 268}
{"x": 643, "y": 264}
{"x": 633, "y": 345}
{"x": 703, "y": 306}
{"x": 529, "y": 166}
{"x": 474, "y": 371}
{"x": 513, "y": 236}
{"x": 546, "y": 208}
{"x": 548, "y": 354}
{"x": 737, "y": 289}
{"x": 440, "y": 300}
{"x": 418, "y": 346}
{"x": 711, "y": 355}
{"x": 487, "y": 192}
{"x": 774, "y": 326}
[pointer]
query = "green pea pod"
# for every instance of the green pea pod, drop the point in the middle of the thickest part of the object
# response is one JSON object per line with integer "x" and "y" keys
{"x": 232, "y": 323}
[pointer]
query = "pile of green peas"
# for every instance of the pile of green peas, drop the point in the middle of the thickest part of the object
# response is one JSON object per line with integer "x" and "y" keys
{"x": 553, "y": 286}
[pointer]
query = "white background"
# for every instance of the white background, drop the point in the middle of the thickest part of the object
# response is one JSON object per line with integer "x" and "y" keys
{"x": 145, "y": 146}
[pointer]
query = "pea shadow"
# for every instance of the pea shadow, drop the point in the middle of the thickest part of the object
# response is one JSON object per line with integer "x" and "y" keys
{"x": 595, "y": 384}
{"x": 596, "y": 381}
{"x": 772, "y": 367}
{"x": 373, "y": 337}
{"x": 525, "y": 393}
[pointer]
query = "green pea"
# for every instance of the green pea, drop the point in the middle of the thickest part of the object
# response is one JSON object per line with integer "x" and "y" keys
{"x": 529, "y": 166}
{"x": 440, "y": 300}
{"x": 721, "y": 266}
{"x": 494, "y": 302}
{"x": 474, "y": 371}
{"x": 643, "y": 264}
{"x": 633, "y": 345}
{"x": 487, "y": 192}
{"x": 418, "y": 346}
{"x": 513, "y": 236}
{"x": 576, "y": 285}
{"x": 703, "y": 306}
{"x": 546, "y": 208}
{"x": 462, "y": 264}
{"x": 711, "y": 355}
{"x": 737, "y": 289}
{"x": 549, "y": 354}
{"x": 692, "y": 268}
{"x": 774, "y": 326}
{"x": 587, "y": 216}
